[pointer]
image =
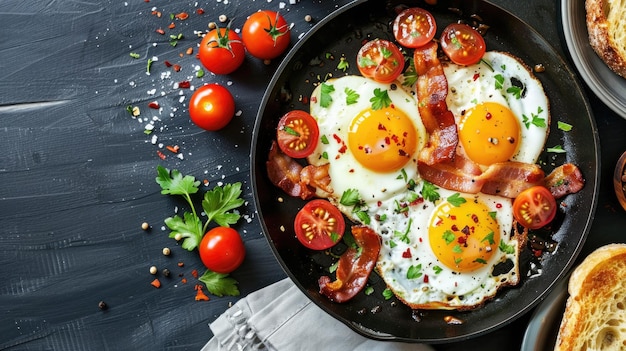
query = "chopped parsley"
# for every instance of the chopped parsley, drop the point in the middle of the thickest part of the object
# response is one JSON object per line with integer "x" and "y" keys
{"x": 325, "y": 98}
{"x": 414, "y": 272}
{"x": 343, "y": 64}
{"x": 556, "y": 149}
{"x": 351, "y": 96}
{"x": 380, "y": 99}
{"x": 410, "y": 74}
{"x": 489, "y": 238}
{"x": 534, "y": 119}
{"x": 404, "y": 237}
{"x": 324, "y": 140}
{"x": 507, "y": 249}
{"x": 448, "y": 237}
{"x": 429, "y": 191}
{"x": 566, "y": 127}
{"x": 456, "y": 200}
{"x": 387, "y": 293}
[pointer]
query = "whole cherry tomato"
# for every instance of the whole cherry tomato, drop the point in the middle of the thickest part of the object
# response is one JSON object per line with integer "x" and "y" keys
{"x": 265, "y": 34}
{"x": 221, "y": 51}
{"x": 211, "y": 107}
{"x": 222, "y": 250}
{"x": 535, "y": 207}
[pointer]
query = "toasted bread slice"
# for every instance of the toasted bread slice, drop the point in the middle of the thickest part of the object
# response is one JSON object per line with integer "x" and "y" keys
{"x": 595, "y": 313}
{"x": 606, "y": 24}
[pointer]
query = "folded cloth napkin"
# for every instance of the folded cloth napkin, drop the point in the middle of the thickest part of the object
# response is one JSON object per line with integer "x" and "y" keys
{"x": 281, "y": 318}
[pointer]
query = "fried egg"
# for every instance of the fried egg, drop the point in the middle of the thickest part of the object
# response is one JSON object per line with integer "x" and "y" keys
{"x": 370, "y": 133}
{"x": 440, "y": 249}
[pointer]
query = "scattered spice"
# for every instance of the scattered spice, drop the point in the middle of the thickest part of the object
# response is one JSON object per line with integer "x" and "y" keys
{"x": 195, "y": 273}
{"x": 166, "y": 272}
{"x": 134, "y": 55}
{"x": 452, "y": 320}
{"x": 182, "y": 16}
{"x": 184, "y": 280}
{"x": 153, "y": 270}
{"x": 145, "y": 226}
{"x": 166, "y": 251}
{"x": 160, "y": 31}
{"x": 161, "y": 155}
{"x": 185, "y": 84}
{"x": 154, "y": 105}
{"x": 156, "y": 283}
{"x": 102, "y": 305}
{"x": 223, "y": 18}
{"x": 200, "y": 295}
{"x": 181, "y": 264}
{"x": 173, "y": 149}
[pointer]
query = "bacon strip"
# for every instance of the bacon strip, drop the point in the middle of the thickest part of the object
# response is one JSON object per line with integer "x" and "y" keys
{"x": 563, "y": 180}
{"x": 509, "y": 179}
{"x": 317, "y": 177}
{"x": 432, "y": 90}
{"x": 354, "y": 268}
{"x": 284, "y": 172}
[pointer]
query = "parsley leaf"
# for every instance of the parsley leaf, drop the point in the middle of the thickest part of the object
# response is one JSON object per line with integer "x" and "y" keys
{"x": 437, "y": 269}
{"x": 507, "y": 249}
{"x": 410, "y": 75}
{"x": 387, "y": 293}
{"x": 414, "y": 272}
{"x": 566, "y": 127}
{"x": 343, "y": 64}
{"x": 380, "y": 99}
{"x": 556, "y": 149}
{"x": 219, "y": 201}
{"x": 499, "y": 81}
{"x": 515, "y": 91}
{"x": 489, "y": 238}
{"x": 534, "y": 119}
{"x": 456, "y": 200}
{"x": 219, "y": 284}
{"x": 448, "y": 237}
{"x": 429, "y": 191}
{"x": 325, "y": 98}
{"x": 351, "y": 96}
{"x": 189, "y": 227}
{"x": 404, "y": 237}
{"x": 350, "y": 197}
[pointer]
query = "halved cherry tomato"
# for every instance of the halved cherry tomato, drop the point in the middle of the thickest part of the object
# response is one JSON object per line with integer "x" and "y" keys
{"x": 222, "y": 250}
{"x": 221, "y": 51}
{"x": 414, "y": 27}
{"x": 265, "y": 34}
{"x": 380, "y": 60}
{"x": 535, "y": 207}
{"x": 462, "y": 44}
{"x": 319, "y": 225}
{"x": 297, "y": 134}
{"x": 211, "y": 107}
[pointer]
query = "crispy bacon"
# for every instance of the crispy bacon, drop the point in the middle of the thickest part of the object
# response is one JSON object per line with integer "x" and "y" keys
{"x": 509, "y": 179}
{"x": 354, "y": 267}
{"x": 432, "y": 90}
{"x": 284, "y": 172}
{"x": 563, "y": 180}
{"x": 317, "y": 177}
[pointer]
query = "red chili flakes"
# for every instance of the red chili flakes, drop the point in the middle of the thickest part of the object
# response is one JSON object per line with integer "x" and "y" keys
{"x": 181, "y": 264}
{"x": 426, "y": 278}
{"x": 462, "y": 240}
{"x": 184, "y": 280}
{"x": 185, "y": 84}
{"x": 172, "y": 25}
{"x": 161, "y": 155}
{"x": 407, "y": 253}
{"x": 156, "y": 283}
{"x": 154, "y": 104}
{"x": 381, "y": 126}
{"x": 173, "y": 149}
{"x": 157, "y": 13}
{"x": 452, "y": 320}
{"x": 343, "y": 149}
{"x": 200, "y": 11}
{"x": 167, "y": 64}
{"x": 337, "y": 138}
{"x": 194, "y": 273}
{"x": 182, "y": 16}
{"x": 177, "y": 67}
{"x": 476, "y": 76}
{"x": 160, "y": 31}
{"x": 498, "y": 205}
{"x": 474, "y": 218}
{"x": 488, "y": 116}
{"x": 189, "y": 51}
{"x": 200, "y": 295}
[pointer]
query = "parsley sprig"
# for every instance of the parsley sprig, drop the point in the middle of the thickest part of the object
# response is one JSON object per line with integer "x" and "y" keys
{"x": 216, "y": 204}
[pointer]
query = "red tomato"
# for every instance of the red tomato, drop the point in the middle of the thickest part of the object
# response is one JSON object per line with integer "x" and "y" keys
{"x": 319, "y": 225}
{"x": 222, "y": 250}
{"x": 211, "y": 107}
{"x": 380, "y": 60}
{"x": 297, "y": 134}
{"x": 265, "y": 34}
{"x": 462, "y": 44}
{"x": 221, "y": 51}
{"x": 414, "y": 27}
{"x": 534, "y": 207}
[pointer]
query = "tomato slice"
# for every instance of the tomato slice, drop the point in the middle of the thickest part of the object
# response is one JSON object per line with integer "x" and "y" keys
{"x": 535, "y": 207}
{"x": 297, "y": 134}
{"x": 380, "y": 60}
{"x": 414, "y": 27}
{"x": 462, "y": 44}
{"x": 319, "y": 225}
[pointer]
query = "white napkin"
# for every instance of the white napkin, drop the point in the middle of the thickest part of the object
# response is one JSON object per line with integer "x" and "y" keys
{"x": 281, "y": 318}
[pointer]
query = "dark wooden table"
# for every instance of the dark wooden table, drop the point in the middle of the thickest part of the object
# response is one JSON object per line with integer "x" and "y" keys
{"x": 77, "y": 170}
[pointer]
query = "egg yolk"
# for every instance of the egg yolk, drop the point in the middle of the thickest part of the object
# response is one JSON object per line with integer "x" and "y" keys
{"x": 464, "y": 237}
{"x": 382, "y": 140}
{"x": 489, "y": 133}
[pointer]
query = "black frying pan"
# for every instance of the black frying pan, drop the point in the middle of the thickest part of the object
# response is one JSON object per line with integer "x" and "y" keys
{"x": 371, "y": 315}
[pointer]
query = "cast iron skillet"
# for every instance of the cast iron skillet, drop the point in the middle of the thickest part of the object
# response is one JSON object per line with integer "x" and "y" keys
{"x": 313, "y": 59}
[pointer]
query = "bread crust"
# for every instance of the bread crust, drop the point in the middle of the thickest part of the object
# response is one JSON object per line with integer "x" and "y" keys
{"x": 603, "y": 31}
{"x": 595, "y": 312}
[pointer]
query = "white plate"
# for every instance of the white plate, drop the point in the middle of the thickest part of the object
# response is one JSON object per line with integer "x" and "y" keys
{"x": 543, "y": 327}
{"x": 606, "y": 84}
